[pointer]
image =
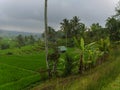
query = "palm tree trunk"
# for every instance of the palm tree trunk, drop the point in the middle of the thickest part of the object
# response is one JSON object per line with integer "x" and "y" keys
{"x": 66, "y": 38}
{"x": 46, "y": 41}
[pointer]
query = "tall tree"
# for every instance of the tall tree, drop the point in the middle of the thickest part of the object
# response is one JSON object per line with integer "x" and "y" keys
{"x": 1, "y": 40}
{"x": 75, "y": 25}
{"x": 32, "y": 39}
{"x": 77, "y": 28}
{"x": 72, "y": 28}
{"x": 20, "y": 40}
{"x": 46, "y": 41}
{"x": 113, "y": 25}
{"x": 95, "y": 27}
{"x": 118, "y": 10}
{"x": 65, "y": 27}
{"x": 96, "y": 30}
{"x": 51, "y": 34}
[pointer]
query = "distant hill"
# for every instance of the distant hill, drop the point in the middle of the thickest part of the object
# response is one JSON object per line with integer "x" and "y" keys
{"x": 5, "y": 33}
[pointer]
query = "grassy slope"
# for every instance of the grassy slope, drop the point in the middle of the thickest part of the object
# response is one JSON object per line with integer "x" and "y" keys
{"x": 28, "y": 57}
{"x": 96, "y": 79}
{"x": 30, "y": 49}
{"x": 27, "y": 64}
{"x": 9, "y": 71}
{"x": 30, "y": 62}
{"x": 109, "y": 75}
{"x": 14, "y": 78}
{"x": 114, "y": 85}
{"x": 18, "y": 71}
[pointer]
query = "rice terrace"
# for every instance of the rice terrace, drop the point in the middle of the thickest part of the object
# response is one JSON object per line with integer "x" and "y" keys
{"x": 60, "y": 45}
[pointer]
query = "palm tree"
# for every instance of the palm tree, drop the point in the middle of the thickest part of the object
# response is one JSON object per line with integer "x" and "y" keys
{"x": 113, "y": 25}
{"x": 65, "y": 27}
{"x": 46, "y": 41}
{"x": 51, "y": 34}
{"x": 118, "y": 10}
{"x": 75, "y": 25}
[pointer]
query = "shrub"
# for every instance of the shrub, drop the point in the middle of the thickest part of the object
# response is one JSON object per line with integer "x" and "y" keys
{"x": 68, "y": 65}
{"x": 5, "y": 46}
{"x": 9, "y": 53}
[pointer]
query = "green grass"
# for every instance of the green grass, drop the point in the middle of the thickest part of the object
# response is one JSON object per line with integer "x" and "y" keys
{"x": 114, "y": 85}
{"x": 19, "y": 72}
{"x": 30, "y": 62}
{"x": 9, "y": 71}
{"x": 30, "y": 49}
{"x": 108, "y": 75}
{"x": 15, "y": 78}
{"x": 100, "y": 77}
{"x": 21, "y": 69}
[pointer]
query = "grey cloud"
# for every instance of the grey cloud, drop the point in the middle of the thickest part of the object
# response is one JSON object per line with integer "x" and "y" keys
{"x": 88, "y": 10}
{"x": 22, "y": 9}
{"x": 28, "y": 15}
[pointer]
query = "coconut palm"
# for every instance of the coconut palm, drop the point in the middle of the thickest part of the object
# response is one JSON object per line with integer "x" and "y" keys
{"x": 65, "y": 27}
{"x": 113, "y": 25}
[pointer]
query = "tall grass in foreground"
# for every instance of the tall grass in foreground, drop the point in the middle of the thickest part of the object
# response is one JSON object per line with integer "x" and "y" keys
{"x": 109, "y": 73}
{"x": 98, "y": 78}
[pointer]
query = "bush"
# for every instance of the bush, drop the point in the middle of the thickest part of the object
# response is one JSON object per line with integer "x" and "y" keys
{"x": 5, "y": 46}
{"x": 9, "y": 53}
{"x": 68, "y": 65}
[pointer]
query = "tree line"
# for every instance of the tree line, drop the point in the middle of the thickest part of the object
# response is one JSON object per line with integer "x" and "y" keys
{"x": 75, "y": 28}
{"x": 74, "y": 31}
{"x": 18, "y": 41}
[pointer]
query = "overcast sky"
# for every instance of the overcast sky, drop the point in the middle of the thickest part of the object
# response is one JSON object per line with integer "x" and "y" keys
{"x": 28, "y": 15}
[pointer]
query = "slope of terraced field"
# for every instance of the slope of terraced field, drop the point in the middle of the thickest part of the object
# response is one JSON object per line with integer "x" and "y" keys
{"x": 20, "y": 71}
{"x": 114, "y": 85}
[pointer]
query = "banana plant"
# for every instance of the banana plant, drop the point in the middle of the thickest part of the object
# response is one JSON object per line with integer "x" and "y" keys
{"x": 104, "y": 45}
{"x": 88, "y": 55}
{"x": 81, "y": 46}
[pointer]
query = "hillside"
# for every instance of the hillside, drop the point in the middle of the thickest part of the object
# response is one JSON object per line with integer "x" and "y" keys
{"x": 6, "y": 33}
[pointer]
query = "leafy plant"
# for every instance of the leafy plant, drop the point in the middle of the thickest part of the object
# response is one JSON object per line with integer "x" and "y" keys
{"x": 81, "y": 46}
{"x": 104, "y": 45}
{"x": 68, "y": 65}
{"x": 89, "y": 54}
{"x": 53, "y": 59}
